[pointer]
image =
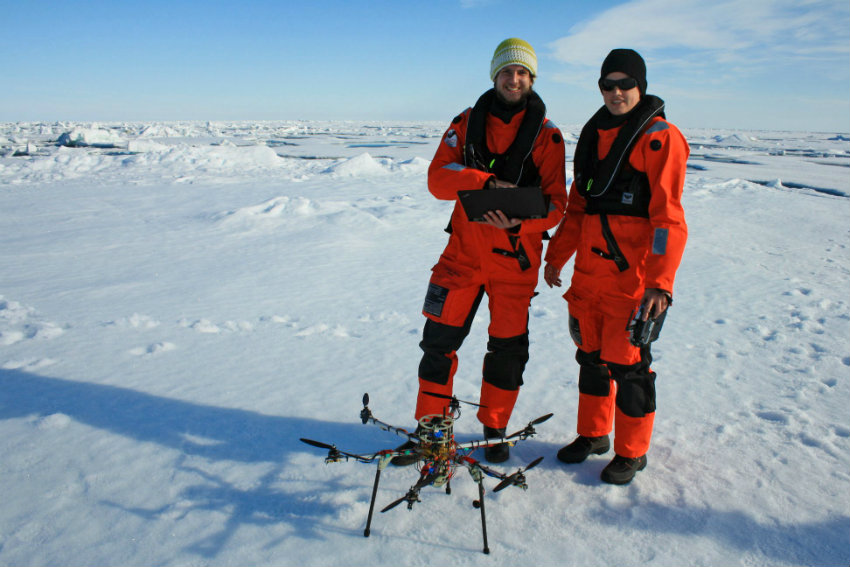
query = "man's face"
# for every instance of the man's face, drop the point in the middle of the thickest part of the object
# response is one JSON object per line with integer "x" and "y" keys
{"x": 513, "y": 84}
{"x": 618, "y": 101}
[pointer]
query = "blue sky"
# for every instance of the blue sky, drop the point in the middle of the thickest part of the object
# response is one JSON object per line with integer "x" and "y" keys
{"x": 748, "y": 64}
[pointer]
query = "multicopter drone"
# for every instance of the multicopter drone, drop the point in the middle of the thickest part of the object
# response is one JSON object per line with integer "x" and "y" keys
{"x": 437, "y": 456}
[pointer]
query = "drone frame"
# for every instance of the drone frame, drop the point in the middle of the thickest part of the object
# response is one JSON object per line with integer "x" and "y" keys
{"x": 438, "y": 456}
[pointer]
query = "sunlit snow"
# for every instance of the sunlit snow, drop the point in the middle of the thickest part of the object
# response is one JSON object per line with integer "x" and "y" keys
{"x": 180, "y": 302}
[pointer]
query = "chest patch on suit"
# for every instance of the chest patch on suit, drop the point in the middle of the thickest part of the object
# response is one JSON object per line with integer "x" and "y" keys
{"x": 655, "y": 145}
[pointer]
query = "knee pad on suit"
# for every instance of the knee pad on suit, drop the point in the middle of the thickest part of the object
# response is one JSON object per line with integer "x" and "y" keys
{"x": 635, "y": 389}
{"x": 505, "y": 361}
{"x": 439, "y": 343}
{"x": 593, "y": 376}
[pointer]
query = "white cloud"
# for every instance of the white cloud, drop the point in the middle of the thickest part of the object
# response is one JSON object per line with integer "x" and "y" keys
{"x": 777, "y": 64}
{"x": 748, "y": 33}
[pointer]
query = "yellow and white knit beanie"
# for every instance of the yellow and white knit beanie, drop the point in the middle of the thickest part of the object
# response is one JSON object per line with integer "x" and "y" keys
{"x": 513, "y": 51}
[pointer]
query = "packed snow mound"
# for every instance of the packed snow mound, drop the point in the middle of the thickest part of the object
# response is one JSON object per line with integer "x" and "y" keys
{"x": 178, "y": 163}
{"x": 160, "y": 131}
{"x": 414, "y": 165}
{"x": 267, "y": 214}
{"x": 21, "y": 323}
{"x": 219, "y": 159}
{"x": 95, "y": 137}
{"x": 190, "y": 152}
{"x": 358, "y": 166}
{"x": 736, "y": 140}
{"x": 570, "y": 137}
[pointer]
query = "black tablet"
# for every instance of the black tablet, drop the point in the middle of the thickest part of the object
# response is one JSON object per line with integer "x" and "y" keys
{"x": 515, "y": 202}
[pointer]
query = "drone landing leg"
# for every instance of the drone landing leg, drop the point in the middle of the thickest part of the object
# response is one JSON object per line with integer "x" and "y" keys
{"x": 483, "y": 516}
{"x": 372, "y": 503}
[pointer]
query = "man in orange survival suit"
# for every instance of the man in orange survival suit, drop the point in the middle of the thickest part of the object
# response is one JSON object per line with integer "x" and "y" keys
{"x": 505, "y": 140}
{"x": 626, "y": 225}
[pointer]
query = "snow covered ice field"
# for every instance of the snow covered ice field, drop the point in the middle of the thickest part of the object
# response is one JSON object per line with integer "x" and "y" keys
{"x": 180, "y": 302}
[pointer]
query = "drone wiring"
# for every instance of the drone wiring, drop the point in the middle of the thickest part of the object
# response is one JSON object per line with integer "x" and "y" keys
{"x": 436, "y": 456}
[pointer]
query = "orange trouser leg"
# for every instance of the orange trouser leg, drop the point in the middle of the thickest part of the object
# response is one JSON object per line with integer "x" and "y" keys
{"x": 432, "y": 405}
{"x": 497, "y": 405}
{"x": 597, "y": 395}
{"x": 633, "y": 434}
{"x": 596, "y": 414}
{"x": 442, "y": 336}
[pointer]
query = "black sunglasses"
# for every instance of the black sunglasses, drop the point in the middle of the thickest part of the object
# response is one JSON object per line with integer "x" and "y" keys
{"x": 622, "y": 84}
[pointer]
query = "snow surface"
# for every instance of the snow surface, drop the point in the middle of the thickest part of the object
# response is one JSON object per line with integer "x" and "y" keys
{"x": 180, "y": 302}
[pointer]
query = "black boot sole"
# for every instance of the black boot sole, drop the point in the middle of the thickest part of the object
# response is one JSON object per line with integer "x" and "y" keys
{"x": 574, "y": 460}
{"x": 620, "y": 481}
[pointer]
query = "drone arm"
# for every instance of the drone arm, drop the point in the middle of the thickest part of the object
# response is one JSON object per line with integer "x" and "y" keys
{"x": 367, "y": 417}
{"x": 476, "y": 468}
{"x": 472, "y": 445}
{"x": 335, "y": 455}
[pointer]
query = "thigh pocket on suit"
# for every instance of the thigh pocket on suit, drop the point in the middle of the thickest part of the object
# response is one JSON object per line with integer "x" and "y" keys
{"x": 575, "y": 330}
{"x": 435, "y": 300}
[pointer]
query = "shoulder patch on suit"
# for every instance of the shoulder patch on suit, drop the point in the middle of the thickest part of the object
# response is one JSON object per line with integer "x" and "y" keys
{"x": 457, "y": 118}
{"x": 556, "y": 136}
{"x": 655, "y": 145}
{"x": 657, "y": 127}
{"x": 659, "y": 241}
{"x": 451, "y": 138}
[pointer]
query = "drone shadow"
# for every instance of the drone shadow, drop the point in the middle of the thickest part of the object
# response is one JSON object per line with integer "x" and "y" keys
{"x": 200, "y": 433}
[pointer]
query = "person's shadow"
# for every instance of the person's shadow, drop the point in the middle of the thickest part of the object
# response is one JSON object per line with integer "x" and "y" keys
{"x": 198, "y": 433}
{"x": 205, "y": 432}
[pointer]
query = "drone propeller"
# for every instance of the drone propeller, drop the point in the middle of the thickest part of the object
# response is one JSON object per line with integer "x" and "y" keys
{"x": 334, "y": 454}
{"x": 541, "y": 419}
{"x": 517, "y": 478}
{"x": 412, "y": 496}
{"x": 528, "y": 430}
{"x": 453, "y": 399}
{"x": 318, "y": 444}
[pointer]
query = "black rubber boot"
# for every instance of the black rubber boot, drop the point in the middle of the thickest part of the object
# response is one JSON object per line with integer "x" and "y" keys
{"x": 497, "y": 453}
{"x": 582, "y": 447}
{"x": 621, "y": 470}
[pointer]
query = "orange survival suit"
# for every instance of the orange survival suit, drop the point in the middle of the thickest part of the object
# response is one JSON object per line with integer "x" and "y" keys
{"x": 484, "y": 142}
{"x": 626, "y": 226}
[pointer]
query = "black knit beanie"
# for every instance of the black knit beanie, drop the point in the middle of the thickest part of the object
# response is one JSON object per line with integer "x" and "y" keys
{"x": 626, "y": 61}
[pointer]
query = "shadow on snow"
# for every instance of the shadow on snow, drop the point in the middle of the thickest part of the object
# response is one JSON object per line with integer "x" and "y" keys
{"x": 225, "y": 435}
{"x": 250, "y": 437}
